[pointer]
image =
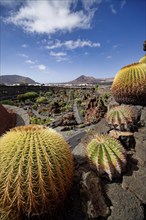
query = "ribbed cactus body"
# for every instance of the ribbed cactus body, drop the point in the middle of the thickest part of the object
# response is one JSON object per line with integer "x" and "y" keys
{"x": 143, "y": 59}
{"x": 107, "y": 154}
{"x": 120, "y": 117}
{"x": 129, "y": 85}
{"x": 36, "y": 170}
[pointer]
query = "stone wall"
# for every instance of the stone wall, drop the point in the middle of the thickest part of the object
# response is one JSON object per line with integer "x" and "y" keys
{"x": 8, "y": 92}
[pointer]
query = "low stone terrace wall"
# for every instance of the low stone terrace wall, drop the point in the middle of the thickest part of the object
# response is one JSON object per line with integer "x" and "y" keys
{"x": 8, "y": 92}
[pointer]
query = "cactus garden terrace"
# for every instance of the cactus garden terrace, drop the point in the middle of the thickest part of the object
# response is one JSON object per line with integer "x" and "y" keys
{"x": 108, "y": 169}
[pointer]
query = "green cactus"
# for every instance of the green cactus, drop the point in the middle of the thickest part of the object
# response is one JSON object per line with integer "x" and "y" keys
{"x": 143, "y": 59}
{"x": 36, "y": 171}
{"x": 107, "y": 154}
{"x": 120, "y": 116}
{"x": 129, "y": 85}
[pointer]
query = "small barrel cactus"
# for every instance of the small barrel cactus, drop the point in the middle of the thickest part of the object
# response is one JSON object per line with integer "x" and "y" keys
{"x": 107, "y": 154}
{"x": 120, "y": 117}
{"x": 129, "y": 85}
{"x": 36, "y": 171}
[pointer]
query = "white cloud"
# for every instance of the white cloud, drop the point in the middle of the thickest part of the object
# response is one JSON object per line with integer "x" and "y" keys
{"x": 113, "y": 9}
{"x": 29, "y": 62}
{"x": 51, "y": 16}
{"x": 115, "y": 46}
{"x": 33, "y": 65}
{"x": 41, "y": 67}
{"x": 24, "y": 45}
{"x": 109, "y": 57}
{"x": 23, "y": 55}
{"x": 70, "y": 44}
{"x": 89, "y": 3}
{"x": 59, "y": 56}
{"x": 123, "y": 3}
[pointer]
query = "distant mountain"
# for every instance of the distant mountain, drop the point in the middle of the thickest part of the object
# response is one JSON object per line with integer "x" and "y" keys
{"x": 90, "y": 80}
{"x": 15, "y": 79}
{"x": 83, "y": 79}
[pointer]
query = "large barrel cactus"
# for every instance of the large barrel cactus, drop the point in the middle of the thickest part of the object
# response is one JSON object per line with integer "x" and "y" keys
{"x": 36, "y": 171}
{"x": 143, "y": 59}
{"x": 129, "y": 85}
{"x": 107, "y": 154}
{"x": 120, "y": 117}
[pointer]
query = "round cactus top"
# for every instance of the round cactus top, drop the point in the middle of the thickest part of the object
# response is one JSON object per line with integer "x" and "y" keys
{"x": 29, "y": 128}
{"x": 32, "y": 134}
{"x": 133, "y": 66}
{"x": 131, "y": 69}
{"x": 143, "y": 59}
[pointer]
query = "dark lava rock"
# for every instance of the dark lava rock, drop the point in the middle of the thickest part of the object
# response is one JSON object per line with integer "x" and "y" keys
{"x": 76, "y": 139}
{"x": 92, "y": 197}
{"x": 112, "y": 103}
{"x": 141, "y": 134}
{"x": 7, "y": 119}
{"x": 127, "y": 141}
{"x": 72, "y": 209}
{"x": 143, "y": 117}
{"x": 125, "y": 205}
{"x": 56, "y": 123}
{"x": 140, "y": 148}
{"x": 67, "y": 128}
{"x": 136, "y": 183}
{"x": 102, "y": 127}
{"x": 137, "y": 110}
{"x": 79, "y": 150}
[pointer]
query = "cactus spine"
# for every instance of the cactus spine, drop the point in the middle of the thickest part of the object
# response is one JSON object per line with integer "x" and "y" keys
{"x": 129, "y": 85}
{"x": 36, "y": 170}
{"x": 120, "y": 117}
{"x": 107, "y": 154}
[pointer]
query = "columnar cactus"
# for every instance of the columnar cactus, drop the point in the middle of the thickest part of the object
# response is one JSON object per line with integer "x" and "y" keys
{"x": 129, "y": 85}
{"x": 36, "y": 171}
{"x": 120, "y": 117}
{"x": 107, "y": 154}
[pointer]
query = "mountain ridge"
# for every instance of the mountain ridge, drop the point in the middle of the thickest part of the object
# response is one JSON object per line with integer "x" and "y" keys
{"x": 16, "y": 79}
{"x": 90, "y": 80}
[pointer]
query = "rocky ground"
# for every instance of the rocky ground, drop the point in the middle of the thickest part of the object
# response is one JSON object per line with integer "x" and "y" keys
{"x": 97, "y": 198}
{"x": 94, "y": 197}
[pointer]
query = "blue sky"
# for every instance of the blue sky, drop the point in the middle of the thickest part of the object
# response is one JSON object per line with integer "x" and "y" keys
{"x": 59, "y": 40}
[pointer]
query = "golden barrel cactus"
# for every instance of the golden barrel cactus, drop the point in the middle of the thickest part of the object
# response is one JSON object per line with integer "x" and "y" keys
{"x": 129, "y": 85}
{"x": 107, "y": 154}
{"x": 120, "y": 117}
{"x": 36, "y": 171}
{"x": 143, "y": 59}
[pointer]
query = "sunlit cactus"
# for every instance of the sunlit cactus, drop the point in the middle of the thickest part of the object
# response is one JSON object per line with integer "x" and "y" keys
{"x": 36, "y": 171}
{"x": 143, "y": 59}
{"x": 107, "y": 154}
{"x": 120, "y": 117}
{"x": 129, "y": 85}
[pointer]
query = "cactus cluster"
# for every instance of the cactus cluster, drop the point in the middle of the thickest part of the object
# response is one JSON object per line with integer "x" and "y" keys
{"x": 120, "y": 117}
{"x": 129, "y": 85}
{"x": 107, "y": 154}
{"x": 36, "y": 171}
